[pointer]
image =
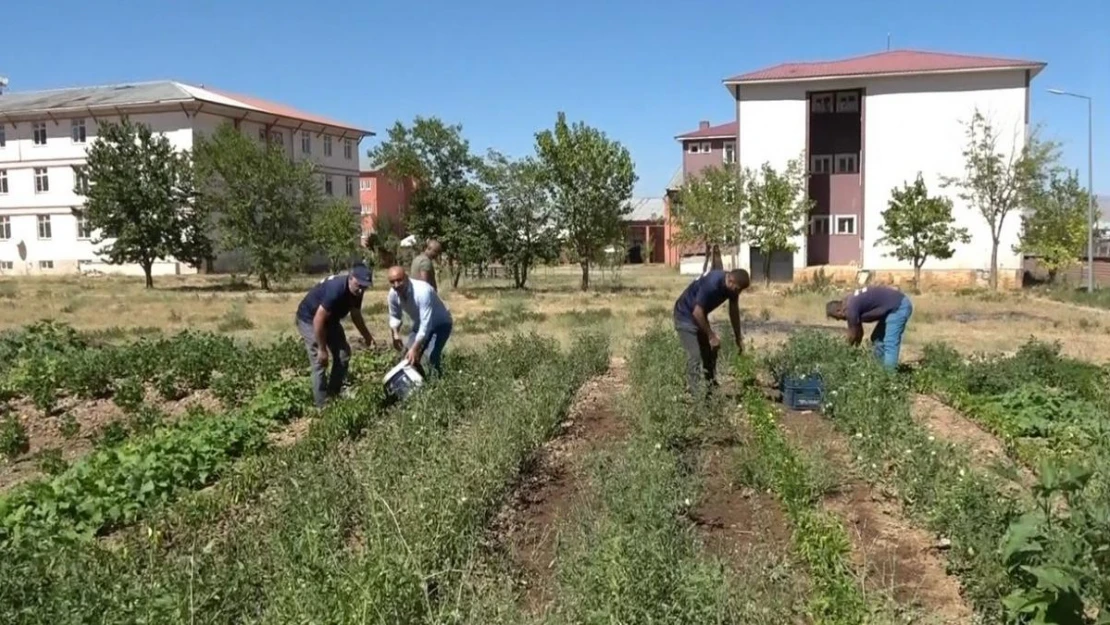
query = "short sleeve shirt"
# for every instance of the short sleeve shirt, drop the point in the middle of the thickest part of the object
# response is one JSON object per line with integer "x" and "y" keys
{"x": 708, "y": 291}
{"x": 872, "y": 303}
{"x": 331, "y": 293}
{"x": 423, "y": 263}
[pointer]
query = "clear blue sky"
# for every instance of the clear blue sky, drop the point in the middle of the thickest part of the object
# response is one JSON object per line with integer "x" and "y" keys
{"x": 640, "y": 70}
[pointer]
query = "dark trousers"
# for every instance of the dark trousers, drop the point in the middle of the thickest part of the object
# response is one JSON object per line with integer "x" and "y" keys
{"x": 339, "y": 357}
{"x": 701, "y": 359}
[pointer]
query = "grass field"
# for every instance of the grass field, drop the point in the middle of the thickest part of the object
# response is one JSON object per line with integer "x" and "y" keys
{"x": 163, "y": 463}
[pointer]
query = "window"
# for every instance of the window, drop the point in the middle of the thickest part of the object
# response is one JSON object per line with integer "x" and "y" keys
{"x": 327, "y": 145}
{"x": 46, "y": 264}
{"x": 306, "y": 142}
{"x": 845, "y": 224}
{"x": 84, "y": 232}
{"x": 80, "y": 181}
{"x": 367, "y": 209}
{"x": 42, "y": 180}
{"x": 847, "y": 102}
{"x": 38, "y": 133}
{"x": 6, "y": 265}
{"x": 262, "y": 134}
{"x": 277, "y": 137}
{"x": 348, "y": 149}
{"x": 46, "y": 232}
{"x": 327, "y": 184}
{"x": 3, "y": 136}
{"x": 350, "y": 186}
{"x": 77, "y": 130}
{"x": 820, "y": 164}
{"x": 819, "y": 224}
{"x": 730, "y": 152}
{"x": 3, "y": 182}
{"x": 364, "y": 184}
{"x": 699, "y": 148}
{"x": 5, "y": 228}
{"x": 821, "y": 103}
{"x": 847, "y": 164}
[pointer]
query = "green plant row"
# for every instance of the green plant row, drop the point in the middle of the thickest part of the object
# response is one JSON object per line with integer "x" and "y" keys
{"x": 299, "y": 530}
{"x": 819, "y": 538}
{"x": 630, "y": 553}
{"x": 1014, "y": 567}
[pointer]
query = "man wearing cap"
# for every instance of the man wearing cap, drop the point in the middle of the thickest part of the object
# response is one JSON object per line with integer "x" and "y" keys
{"x": 887, "y": 306}
{"x": 318, "y": 321}
{"x": 431, "y": 321}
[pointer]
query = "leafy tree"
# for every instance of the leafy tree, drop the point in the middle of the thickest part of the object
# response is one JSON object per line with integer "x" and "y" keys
{"x": 522, "y": 215}
{"x": 995, "y": 182}
{"x": 263, "y": 202}
{"x": 706, "y": 210}
{"x": 447, "y": 203}
{"x": 775, "y": 209}
{"x": 335, "y": 234}
{"x": 590, "y": 178}
{"x": 919, "y": 226}
{"x": 1055, "y": 229}
{"x": 139, "y": 195}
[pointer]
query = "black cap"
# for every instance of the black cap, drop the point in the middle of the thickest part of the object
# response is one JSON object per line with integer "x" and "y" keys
{"x": 362, "y": 275}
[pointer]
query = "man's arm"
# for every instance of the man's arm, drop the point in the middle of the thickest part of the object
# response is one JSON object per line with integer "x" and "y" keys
{"x": 320, "y": 329}
{"x": 701, "y": 320}
{"x": 855, "y": 333}
{"x": 394, "y": 315}
{"x": 734, "y": 317}
{"x": 360, "y": 325}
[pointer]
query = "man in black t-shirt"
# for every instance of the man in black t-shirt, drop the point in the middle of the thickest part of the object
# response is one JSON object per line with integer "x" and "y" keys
{"x": 691, "y": 321}
{"x": 318, "y": 322}
{"x": 889, "y": 307}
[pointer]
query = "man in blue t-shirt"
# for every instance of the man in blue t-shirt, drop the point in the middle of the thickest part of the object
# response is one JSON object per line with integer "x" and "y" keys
{"x": 887, "y": 306}
{"x": 318, "y": 321}
{"x": 691, "y": 321}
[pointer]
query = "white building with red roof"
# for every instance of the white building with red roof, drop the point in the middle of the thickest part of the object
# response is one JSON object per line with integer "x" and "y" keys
{"x": 44, "y": 134}
{"x": 865, "y": 125}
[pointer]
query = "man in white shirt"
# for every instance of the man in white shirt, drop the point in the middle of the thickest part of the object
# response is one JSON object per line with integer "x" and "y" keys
{"x": 431, "y": 322}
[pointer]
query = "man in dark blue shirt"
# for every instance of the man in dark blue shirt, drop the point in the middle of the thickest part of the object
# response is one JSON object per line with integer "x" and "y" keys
{"x": 887, "y": 306}
{"x": 318, "y": 321}
{"x": 691, "y": 321}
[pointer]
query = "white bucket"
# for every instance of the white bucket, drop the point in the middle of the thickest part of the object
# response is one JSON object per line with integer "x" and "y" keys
{"x": 402, "y": 380}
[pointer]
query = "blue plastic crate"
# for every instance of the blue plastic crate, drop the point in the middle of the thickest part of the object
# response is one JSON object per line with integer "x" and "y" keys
{"x": 803, "y": 392}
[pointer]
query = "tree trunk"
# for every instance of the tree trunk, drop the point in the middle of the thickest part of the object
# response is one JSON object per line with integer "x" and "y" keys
{"x": 766, "y": 269}
{"x": 916, "y": 278}
{"x": 708, "y": 256}
{"x": 1052, "y": 276}
{"x": 994, "y": 264}
{"x": 585, "y": 274}
{"x": 264, "y": 281}
{"x": 148, "y": 268}
{"x": 718, "y": 262}
{"x": 455, "y": 275}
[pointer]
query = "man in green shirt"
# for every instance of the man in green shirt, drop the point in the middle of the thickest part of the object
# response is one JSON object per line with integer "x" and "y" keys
{"x": 423, "y": 267}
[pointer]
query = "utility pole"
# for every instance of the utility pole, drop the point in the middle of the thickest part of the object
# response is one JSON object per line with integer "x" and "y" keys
{"x": 1090, "y": 184}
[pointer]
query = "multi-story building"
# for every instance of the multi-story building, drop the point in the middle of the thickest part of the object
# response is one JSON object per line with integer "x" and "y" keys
{"x": 701, "y": 148}
{"x": 44, "y": 136}
{"x": 866, "y": 125}
{"x": 383, "y": 201}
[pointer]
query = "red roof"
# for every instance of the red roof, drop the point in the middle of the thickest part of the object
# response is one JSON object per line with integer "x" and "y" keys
{"x": 711, "y": 132}
{"x": 883, "y": 63}
{"x": 281, "y": 110}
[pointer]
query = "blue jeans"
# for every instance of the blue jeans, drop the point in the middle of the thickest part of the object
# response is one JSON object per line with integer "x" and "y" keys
{"x": 433, "y": 348}
{"x": 325, "y": 385}
{"x": 886, "y": 339}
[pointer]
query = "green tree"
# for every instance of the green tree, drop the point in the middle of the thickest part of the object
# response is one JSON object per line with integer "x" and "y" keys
{"x": 521, "y": 214}
{"x": 1055, "y": 228}
{"x": 996, "y": 182}
{"x": 447, "y": 203}
{"x": 918, "y": 227}
{"x": 590, "y": 178}
{"x": 262, "y": 201}
{"x": 775, "y": 209}
{"x": 706, "y": 210}
{"x": 335, "y": 234}
{"x": 139, "y": 196}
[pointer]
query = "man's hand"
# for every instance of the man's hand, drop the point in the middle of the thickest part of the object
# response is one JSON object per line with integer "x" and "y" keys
{"x": 739, "y": 345}
{"x": 413, "y": 356}
{"x": 714, "y": 340}
{"x": 397, "y": 344}
{"x": 322, "y": 356}
{"x": 369, "y": 342}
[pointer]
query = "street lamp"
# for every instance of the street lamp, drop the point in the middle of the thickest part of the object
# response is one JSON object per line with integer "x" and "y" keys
{"x": 1090, "y": 184}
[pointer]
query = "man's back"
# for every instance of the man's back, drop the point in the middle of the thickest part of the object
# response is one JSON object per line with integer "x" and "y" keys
{"x": 422, "y": 303}
{"x": 708, "y": 290}
{"x": 333, "y": 294}
{"x": 872, "y": 303}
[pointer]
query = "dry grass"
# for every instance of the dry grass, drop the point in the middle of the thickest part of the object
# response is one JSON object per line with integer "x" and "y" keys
{"x": 627, "y": 304}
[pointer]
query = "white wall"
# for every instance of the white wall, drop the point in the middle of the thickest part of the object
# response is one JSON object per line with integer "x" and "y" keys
{"x": 772, "y": 120}
{"x": 918, "y": 124}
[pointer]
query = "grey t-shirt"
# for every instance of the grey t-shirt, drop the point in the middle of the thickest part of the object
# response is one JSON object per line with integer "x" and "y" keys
{"x": 423, "y": 263}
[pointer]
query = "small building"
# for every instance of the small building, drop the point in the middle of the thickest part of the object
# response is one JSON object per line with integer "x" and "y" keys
{"x": 383, "y": 200}
{"x": 44, "y": 135}
{"x": 644, "y": 235}
{"x": 710, "y": 144}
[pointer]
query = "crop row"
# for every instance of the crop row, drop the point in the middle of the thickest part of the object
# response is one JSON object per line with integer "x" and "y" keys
{"x": 375, "y": 531}
{"x": 1019, "y": 559}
